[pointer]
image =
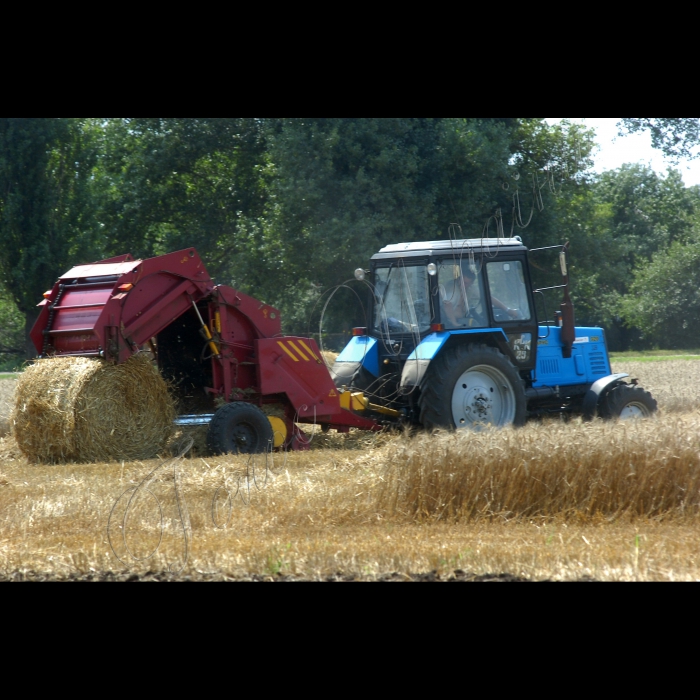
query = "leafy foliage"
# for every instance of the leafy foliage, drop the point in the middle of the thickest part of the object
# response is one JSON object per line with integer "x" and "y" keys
{"x": 47, "y": 211}
{"x": 168, "y": 183}
{"x": 664, "y": 298}
{"x": 340, "y": 189}
{"x": 11, "y": 333}
{"x": 628, "y": 215}
{"x": 286, "y": 209}
{"x": 677, "y": 138}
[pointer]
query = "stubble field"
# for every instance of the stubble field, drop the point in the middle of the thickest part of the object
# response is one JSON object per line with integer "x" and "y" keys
{"x": 553, "y": 500}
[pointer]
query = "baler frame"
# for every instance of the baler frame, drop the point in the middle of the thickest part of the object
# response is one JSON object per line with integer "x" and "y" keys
{"x": 121, "y": 306}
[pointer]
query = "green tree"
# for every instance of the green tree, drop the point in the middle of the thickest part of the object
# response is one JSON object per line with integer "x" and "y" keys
{"x": 11, "y": 332}
{"x": 664, "y": 297}
{"x": 676, "y": 138}
{"x": 648, "y": 211}
{"x": 46, "y": 207}
{"x": 340, "y": 189}
{"x": 625, "y": 217}
{"x": 280, "y": 208}
{"x": 166, "y": 184}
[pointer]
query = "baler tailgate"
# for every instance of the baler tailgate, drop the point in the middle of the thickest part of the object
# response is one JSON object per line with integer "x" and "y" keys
{"x": 75, "y": 316}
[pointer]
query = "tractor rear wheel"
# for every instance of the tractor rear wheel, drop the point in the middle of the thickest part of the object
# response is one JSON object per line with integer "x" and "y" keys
{"x": 240, "y": 428}
{"x": 627, "y": 401}
{"x": 469, "y": 386}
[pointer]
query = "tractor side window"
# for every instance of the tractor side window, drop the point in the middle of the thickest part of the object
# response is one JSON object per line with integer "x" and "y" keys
{"x": 508, "y": 292}
{"x": 402, "y": 299}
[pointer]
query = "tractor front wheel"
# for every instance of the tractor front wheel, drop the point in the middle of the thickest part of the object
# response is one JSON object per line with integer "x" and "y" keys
{"x": 627, "y": 401}
{"x": 471, "y": 386}
{"x": 239, "y": 427}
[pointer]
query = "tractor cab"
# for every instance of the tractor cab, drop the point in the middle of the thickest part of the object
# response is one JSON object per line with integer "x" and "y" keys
{"x": 444, "y": 286}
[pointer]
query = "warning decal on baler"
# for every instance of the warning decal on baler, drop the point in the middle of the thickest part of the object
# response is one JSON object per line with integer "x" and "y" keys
{"x": 295, "y": 352}
{"x": 288, "y": 351}
{"x": 299, "y": 352}
{"x": 309, "y": 350}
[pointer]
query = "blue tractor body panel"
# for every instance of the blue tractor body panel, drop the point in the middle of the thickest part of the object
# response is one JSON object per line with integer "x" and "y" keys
{"x": 588, "y": 362}
{"x": 362, "y": 349}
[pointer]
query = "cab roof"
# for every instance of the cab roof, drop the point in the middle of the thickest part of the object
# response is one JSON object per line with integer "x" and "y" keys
{"x": 457, "y": 247}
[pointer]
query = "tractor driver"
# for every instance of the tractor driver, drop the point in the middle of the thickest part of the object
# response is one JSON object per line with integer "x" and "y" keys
{"x": 463, "y": 311}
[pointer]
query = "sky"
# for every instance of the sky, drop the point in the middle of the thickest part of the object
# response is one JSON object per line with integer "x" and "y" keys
{"x": 616, "y": 150}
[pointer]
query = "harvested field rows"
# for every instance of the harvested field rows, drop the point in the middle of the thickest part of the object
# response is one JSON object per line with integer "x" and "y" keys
{"x": 675, "y": 384}
{"x": 7, "y": 392}
{"x": 553, "y": 500}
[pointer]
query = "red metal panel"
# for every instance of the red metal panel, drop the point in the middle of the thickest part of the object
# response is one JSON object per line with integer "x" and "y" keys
{"x": 154, "y": 303}
{"x": 294, "y": 366}
{"x": 36, "y": 334}
{"x": 263, "y": 317}
{"x": 284, "y": 367}
{"x": 75, "y": 343}
{"x": 80, "y": 308}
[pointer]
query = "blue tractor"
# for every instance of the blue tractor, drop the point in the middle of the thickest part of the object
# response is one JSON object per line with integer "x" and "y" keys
{"x": 458, "y": 338}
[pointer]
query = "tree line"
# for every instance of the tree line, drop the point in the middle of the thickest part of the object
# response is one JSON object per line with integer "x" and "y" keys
{"x": 286, "y": 209}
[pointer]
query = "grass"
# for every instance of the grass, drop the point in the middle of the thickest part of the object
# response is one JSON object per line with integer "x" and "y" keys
{"x": 655, "y": 355}
{"x": 553, "y": 500}
{"x": 674, "y": 384}
{"x": 324, "y": 512}
{"x": 578, "y": 472}
{"x": 7, "y": 391}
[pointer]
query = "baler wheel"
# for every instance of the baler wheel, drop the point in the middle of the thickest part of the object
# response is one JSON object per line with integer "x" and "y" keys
{"x": 468, "y": 386}
{"x": 627, "y": 401}
{"x": 240, "y": 428}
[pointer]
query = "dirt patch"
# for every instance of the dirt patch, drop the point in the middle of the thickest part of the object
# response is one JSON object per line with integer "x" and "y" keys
{"x": 431, "y": 576}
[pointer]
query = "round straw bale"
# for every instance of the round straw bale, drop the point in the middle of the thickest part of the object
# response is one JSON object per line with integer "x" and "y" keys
{"x": 87, "y": 410}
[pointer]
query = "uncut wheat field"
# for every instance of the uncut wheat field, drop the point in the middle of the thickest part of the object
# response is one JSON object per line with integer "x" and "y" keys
{"x": 554, "y": 500}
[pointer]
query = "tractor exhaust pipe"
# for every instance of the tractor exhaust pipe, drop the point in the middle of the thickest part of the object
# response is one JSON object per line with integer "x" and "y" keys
{"x": 568, "y": 324}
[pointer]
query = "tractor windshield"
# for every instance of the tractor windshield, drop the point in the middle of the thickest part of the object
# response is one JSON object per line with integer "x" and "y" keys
{"x": 402, "y": 299}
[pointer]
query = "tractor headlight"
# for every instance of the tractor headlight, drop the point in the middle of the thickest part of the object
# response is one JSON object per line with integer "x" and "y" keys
{"x": 432, "y": 269}
{"x": 359, "y": 274}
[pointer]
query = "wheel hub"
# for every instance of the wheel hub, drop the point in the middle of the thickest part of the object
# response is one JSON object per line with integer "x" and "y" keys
{"x": 634, "y": 410}
{"x": 477, "y": 404}
{"x": 242, "y": 436}
{"x": 482, "y": 396}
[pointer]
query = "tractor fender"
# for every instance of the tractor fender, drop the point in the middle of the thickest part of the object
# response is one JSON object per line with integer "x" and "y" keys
{"x": 418, "y": 361}
{"x": 596, "y": 390}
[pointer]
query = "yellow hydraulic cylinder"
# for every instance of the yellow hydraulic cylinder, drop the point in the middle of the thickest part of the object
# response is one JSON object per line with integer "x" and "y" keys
{"x": 357, "y": 401}
{"x": 212, "y": 345}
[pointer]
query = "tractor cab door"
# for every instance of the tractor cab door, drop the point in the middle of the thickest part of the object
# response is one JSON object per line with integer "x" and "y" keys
{"x": 511, "y": 306}
{"x": 487, "y": 294}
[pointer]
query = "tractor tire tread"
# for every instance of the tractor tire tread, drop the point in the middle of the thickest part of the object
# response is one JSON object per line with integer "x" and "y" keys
{"x": 620, "y": 396}
{"x": 218, "y": 437}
